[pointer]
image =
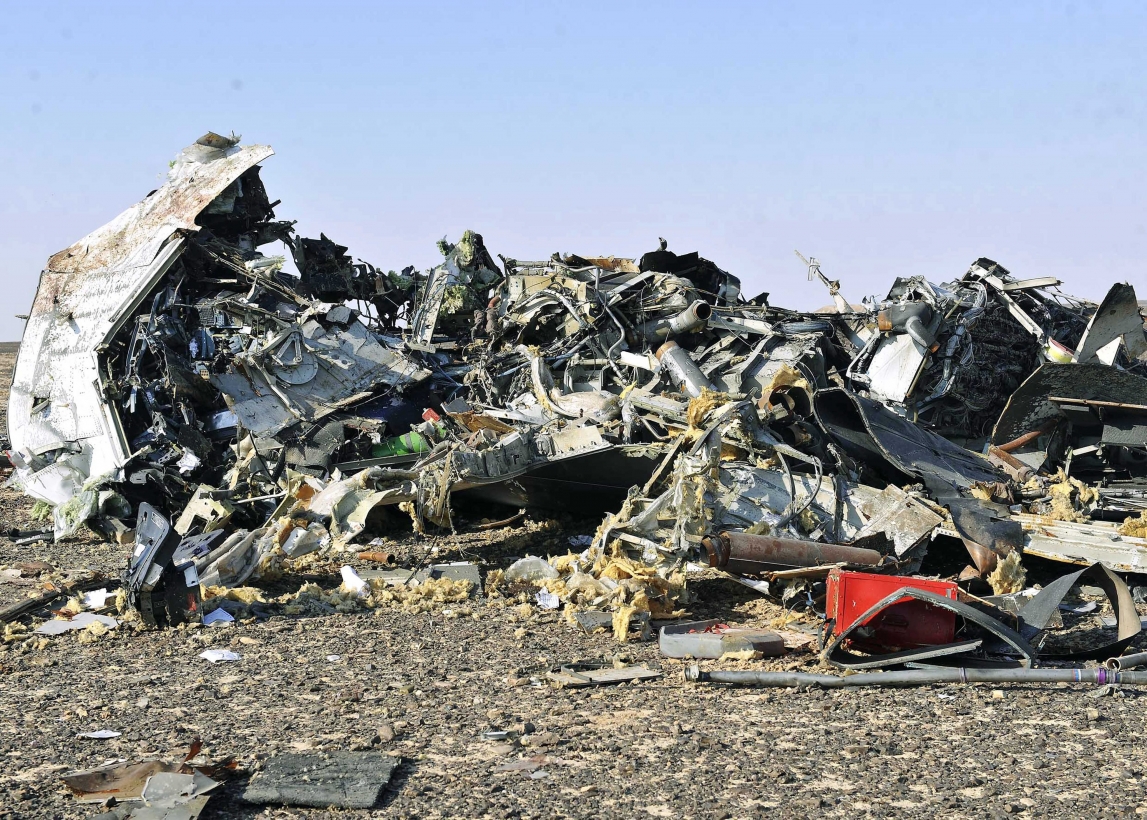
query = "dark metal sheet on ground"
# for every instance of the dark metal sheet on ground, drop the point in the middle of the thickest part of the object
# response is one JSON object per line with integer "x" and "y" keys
{"x": 344, "y": 779}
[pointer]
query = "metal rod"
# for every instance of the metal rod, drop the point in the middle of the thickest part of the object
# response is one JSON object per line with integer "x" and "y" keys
{"x": 915, "y": 677}
{"x": 1016, "y": 443}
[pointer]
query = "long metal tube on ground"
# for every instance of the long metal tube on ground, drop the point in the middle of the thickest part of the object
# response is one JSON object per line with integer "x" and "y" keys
{"x": 740, "y": 552}
{"x": 915, "y": 677}
{"x": 1127, "y": 661}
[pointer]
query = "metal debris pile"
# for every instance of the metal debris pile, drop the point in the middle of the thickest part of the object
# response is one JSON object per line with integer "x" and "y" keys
{"x": 198, "y": 381}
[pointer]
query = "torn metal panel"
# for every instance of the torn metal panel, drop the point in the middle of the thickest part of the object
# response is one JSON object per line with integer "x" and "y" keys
{"x": 57, "y": 400}
{"x": 451, "y": 290}
{"x": 352, "y": 780}
{"x": 1115, "y": 323}
{"x": 988, "y": 531}
{"x": 1091, "y": 543}
{"x": 1036, "y": 613}
{"x": 904, "y": 520}
{"x": 1043, "y": 401}
{"x": 746, "y": 495}
{"x": 343, "y": 366}
{"x": 895, "y": 367}
{"x": 871, "y": 432}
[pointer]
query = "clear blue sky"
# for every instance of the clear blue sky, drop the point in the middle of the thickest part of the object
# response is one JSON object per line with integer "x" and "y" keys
{"x": 884, "y": 138}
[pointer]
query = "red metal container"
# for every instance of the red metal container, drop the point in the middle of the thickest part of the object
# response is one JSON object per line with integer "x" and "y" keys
{"x": 906, "y": 625}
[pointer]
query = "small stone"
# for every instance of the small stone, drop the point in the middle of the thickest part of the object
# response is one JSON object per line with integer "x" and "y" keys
{"x": 997, "y": 694}
{"x": 386, "y": 733}
{"x": 1093, "y": 715}
{"x": 540, "y": 739}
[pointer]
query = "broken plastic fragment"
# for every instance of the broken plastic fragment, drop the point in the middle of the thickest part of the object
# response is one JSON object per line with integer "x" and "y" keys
{"x": 216, "y": 655}
{"x": 218, "y": 616}
{"x": 81, "y": 621}
{"x": 100, "y": 734}
{"x": 97, "y": 598}
{"x": 352, "y": 584}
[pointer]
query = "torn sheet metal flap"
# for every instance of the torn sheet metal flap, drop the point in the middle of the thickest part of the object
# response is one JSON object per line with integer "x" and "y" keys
{"x": 874, "y": 433}
{"x": 988, "y": 531}
{"x": 1030, "y": 407}
{"x": 1083, "y": 543}
{"x": 1038, "y": 611}
{"x": 122, "y": 781}
{"x": 577, "y": 675}
{"x": 904, "y": 520}
{"x": 56, "y": 390}
{"x": 895, "y": 367}
{"x": 1117, "y": 319}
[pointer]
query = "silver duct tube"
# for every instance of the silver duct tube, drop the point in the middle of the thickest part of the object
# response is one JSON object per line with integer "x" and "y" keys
{"x": 692, "y": 318}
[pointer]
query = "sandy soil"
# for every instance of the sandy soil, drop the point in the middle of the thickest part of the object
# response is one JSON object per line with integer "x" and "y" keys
{"x": 437, "y": 682}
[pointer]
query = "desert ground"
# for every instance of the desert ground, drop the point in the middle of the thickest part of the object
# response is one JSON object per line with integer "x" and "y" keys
{"x": 425, "y": 688}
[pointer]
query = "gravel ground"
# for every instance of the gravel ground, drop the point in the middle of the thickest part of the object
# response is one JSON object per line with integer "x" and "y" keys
{"x": 424, "y": 689}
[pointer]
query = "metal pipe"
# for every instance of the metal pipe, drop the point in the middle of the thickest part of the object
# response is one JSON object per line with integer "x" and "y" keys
{"x": 1015, "y": 468}
{"x": 910, "y": 319}
{"x": 1016, "y": 443}
{"x": 740, "y": 552}
{"x": 615, "y": 345}
{"x": 690, "y": 319}
{"x": 1127, "y": 661}
{"x": 915, "y": 677}
{"x": 686, "y": 376}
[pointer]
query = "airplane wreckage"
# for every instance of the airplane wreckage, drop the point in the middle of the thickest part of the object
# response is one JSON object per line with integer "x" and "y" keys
{"x": 192, "y": 396}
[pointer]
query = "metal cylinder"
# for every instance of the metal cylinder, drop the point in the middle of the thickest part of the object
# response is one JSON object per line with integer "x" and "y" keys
{"x": 692, "y": 318}
{"x": 742, "y": 553}
{"x": 684, "y": 374}
{"x": 915, "y": 677}
{"x": 1127, "y": 661}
